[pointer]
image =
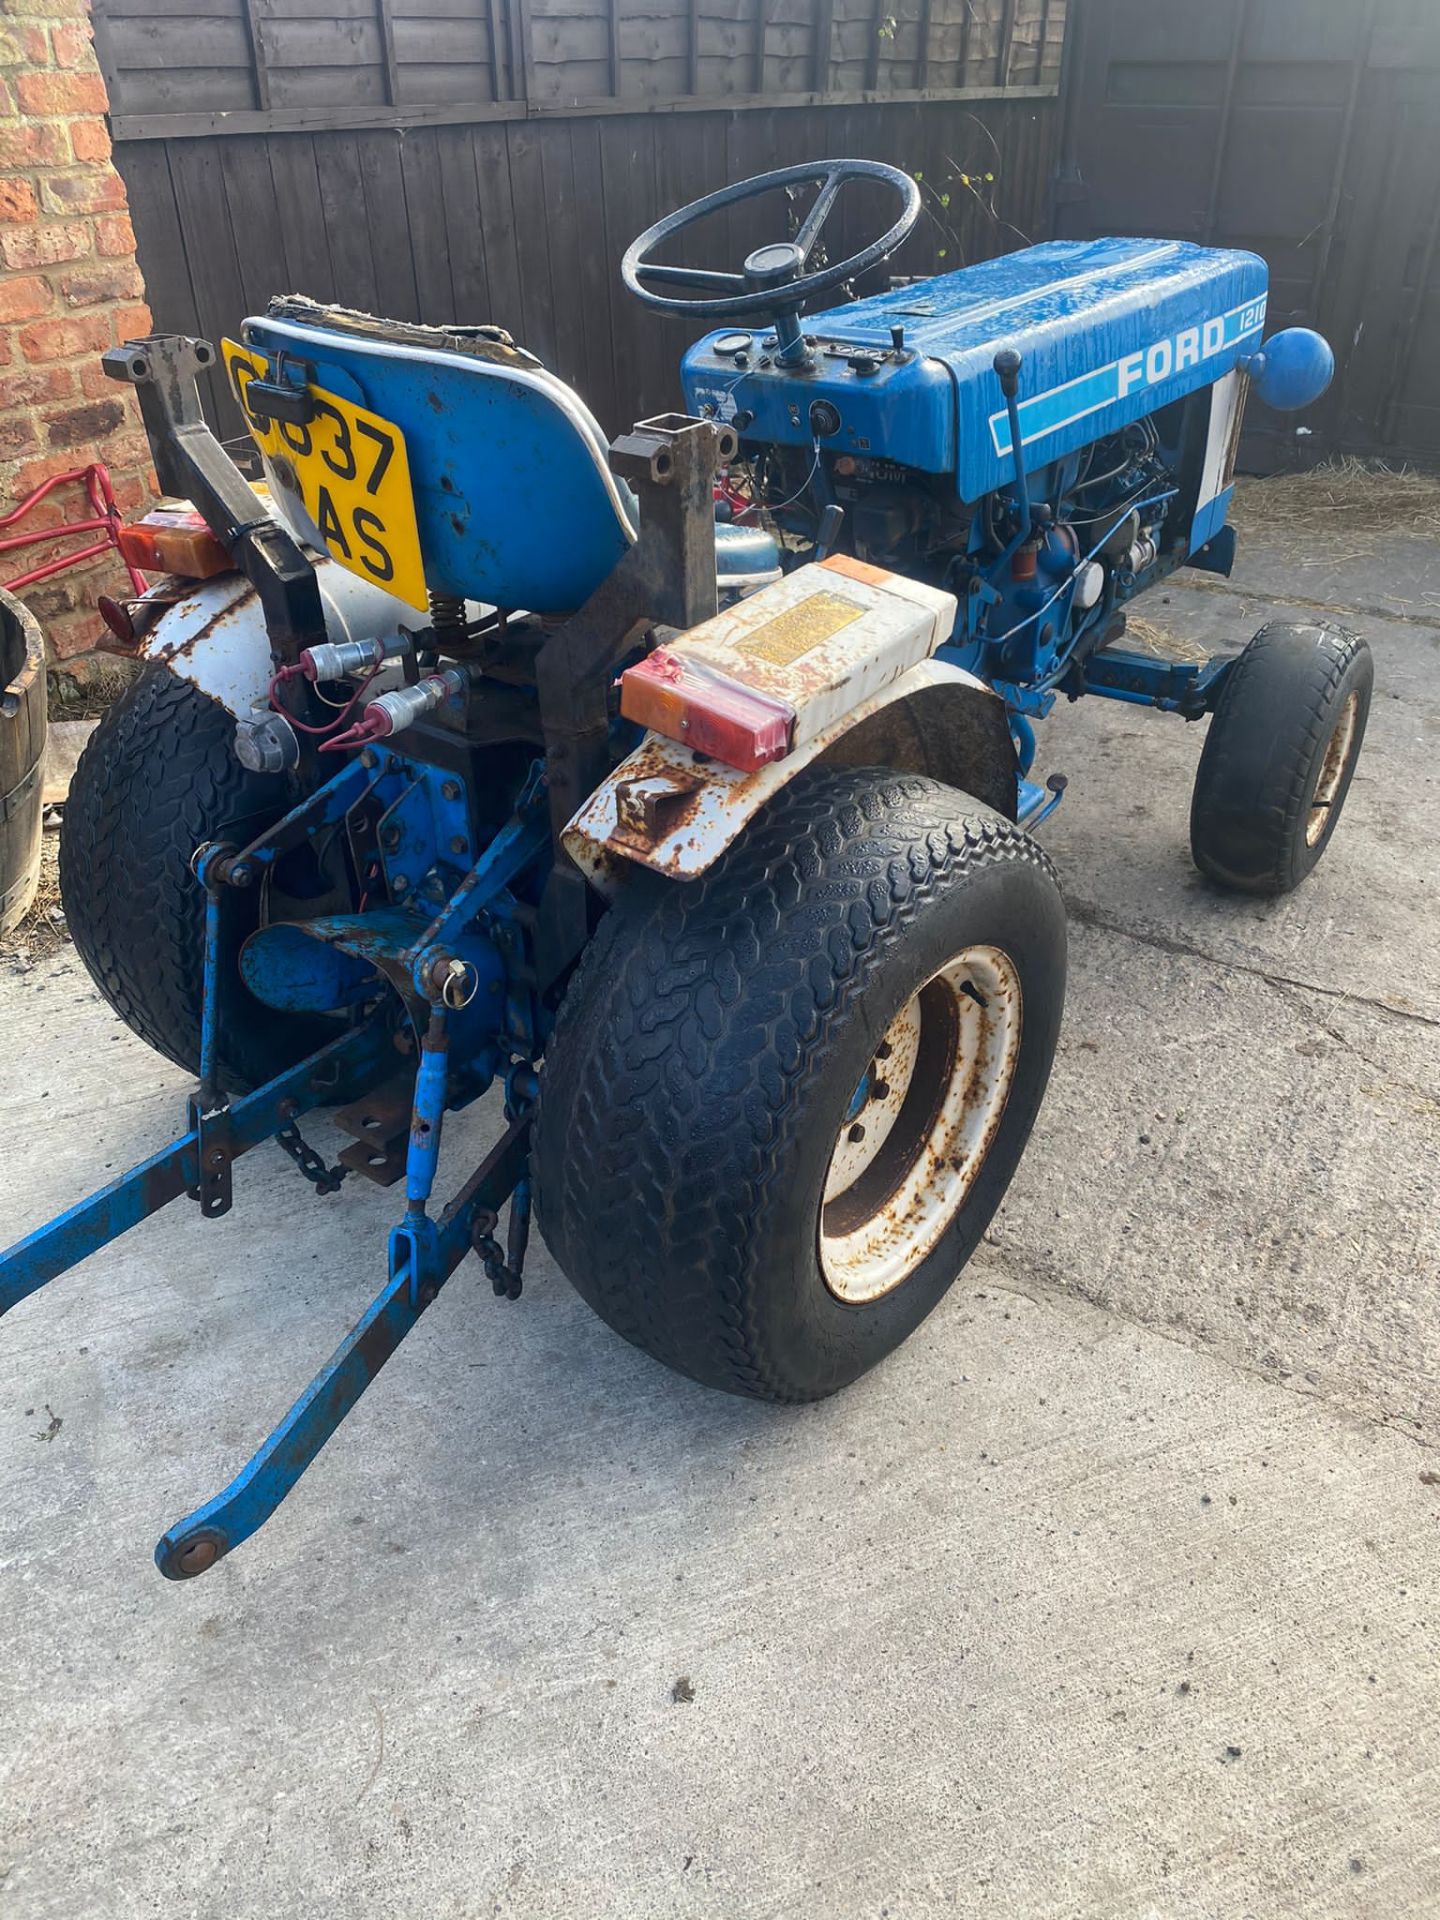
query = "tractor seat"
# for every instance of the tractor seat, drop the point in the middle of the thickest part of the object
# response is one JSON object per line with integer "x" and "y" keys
{"x": 514, "y": 498}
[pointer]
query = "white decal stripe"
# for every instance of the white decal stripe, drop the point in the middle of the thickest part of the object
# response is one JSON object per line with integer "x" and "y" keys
{"x": 1002, "y": 418}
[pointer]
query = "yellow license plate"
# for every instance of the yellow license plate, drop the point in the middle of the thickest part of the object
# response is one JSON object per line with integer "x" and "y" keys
{"x": 351, "y": 470}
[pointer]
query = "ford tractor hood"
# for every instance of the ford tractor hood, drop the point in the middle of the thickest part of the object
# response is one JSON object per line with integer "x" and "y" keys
{"x": 1108, "y": 331}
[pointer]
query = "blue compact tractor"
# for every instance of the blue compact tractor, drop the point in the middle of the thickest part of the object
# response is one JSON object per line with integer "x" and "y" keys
{"x": 678, "y": 788}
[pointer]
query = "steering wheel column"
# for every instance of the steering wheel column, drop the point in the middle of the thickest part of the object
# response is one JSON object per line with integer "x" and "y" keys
{"x": 771, "y": 269}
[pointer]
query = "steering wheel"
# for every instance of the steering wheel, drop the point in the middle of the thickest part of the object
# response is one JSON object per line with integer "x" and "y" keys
{"x": 773, "y": 280}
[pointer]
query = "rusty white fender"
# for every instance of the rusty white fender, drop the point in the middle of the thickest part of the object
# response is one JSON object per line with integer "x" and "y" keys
{"x": 675, "y": 812}
{"x": 214, "y": 635}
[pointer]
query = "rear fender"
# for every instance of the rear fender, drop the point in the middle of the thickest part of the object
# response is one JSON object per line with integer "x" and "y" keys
{"x": 214, "y": 633}
{"x": 674, "y": 812}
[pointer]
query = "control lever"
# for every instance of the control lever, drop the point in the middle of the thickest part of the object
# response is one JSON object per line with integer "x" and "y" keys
{"x": 831, "y": 521}
{"x": 1007, "y": 365}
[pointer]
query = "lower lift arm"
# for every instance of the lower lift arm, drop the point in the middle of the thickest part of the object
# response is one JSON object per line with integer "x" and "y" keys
{"x": 195, "y": 1543}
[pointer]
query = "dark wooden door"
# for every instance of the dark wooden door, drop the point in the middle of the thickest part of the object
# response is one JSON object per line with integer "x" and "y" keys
{"x": 1304, "y": 130}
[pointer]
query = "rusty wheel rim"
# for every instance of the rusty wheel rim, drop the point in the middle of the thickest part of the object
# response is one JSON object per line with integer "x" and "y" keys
{"x": 1339, "y": 752}
{"x": 920, "y": 1125}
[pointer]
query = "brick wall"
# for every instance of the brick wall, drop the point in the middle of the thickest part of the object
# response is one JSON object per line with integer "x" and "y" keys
{"x": 69, "y": 287}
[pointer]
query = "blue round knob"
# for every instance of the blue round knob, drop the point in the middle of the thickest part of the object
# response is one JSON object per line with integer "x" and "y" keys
{"x": 1292, "y": 369}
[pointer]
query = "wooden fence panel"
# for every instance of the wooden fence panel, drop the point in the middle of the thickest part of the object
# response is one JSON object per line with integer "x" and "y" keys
{"x": 523, "y": 222}
{"x": 179, "y": 68}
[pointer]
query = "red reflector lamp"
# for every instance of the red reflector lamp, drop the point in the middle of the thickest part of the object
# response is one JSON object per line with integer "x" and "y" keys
{"x": 174, "y": 540}
{"x": 706, "y": 711}
{"x": 116, "y": 616}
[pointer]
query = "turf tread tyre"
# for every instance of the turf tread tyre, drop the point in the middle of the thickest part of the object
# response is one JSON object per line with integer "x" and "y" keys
{"x": 1263, "y": 752}
{"x": 156, "y": 779}
{"x": 700, "y": 1019}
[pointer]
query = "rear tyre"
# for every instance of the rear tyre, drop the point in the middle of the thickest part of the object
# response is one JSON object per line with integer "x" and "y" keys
{"x": 783, "y": 1101}
{"x": 157, "y": 779}
{"x": 1280, "y": 755}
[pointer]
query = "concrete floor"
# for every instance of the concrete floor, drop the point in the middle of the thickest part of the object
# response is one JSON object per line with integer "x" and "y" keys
{"x": 1113, "y": 1594}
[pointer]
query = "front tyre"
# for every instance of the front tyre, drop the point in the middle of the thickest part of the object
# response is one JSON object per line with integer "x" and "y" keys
{"x": 1280, "y": 755}
{"x": 783, "y": 1101}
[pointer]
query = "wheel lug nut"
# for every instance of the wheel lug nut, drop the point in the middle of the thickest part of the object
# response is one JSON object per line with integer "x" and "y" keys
{"x": 880, "y": 1090}
{"x": 857, "y": 1132}
{"x": 882, "y": 1052}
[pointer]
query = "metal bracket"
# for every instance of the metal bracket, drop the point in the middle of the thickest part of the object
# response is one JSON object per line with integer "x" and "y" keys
{"x": 666, "y": 579}
{"x": 670, "y": 461}
{"x": 190, "y": 462}
{"x": 285, "y": 398}
{"x": 208, "y": 1111}
{"x": 644, "y": 808}
{"x": 344, "y": 1068}
{"x": 214, "y": 1153}
{"x": 380, "y": 1127}
{"x": 1187, "y": 687}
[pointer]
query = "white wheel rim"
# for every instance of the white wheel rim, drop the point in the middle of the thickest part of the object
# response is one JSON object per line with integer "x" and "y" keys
{"x": 924, "y": 1118}
{"x": 1339, "y": 752}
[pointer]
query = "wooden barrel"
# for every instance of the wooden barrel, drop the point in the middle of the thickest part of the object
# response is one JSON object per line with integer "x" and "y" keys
{"x": 22, "y": 751}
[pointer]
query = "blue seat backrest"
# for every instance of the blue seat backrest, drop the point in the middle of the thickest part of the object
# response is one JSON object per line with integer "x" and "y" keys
{"x": 514, "y": 498}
